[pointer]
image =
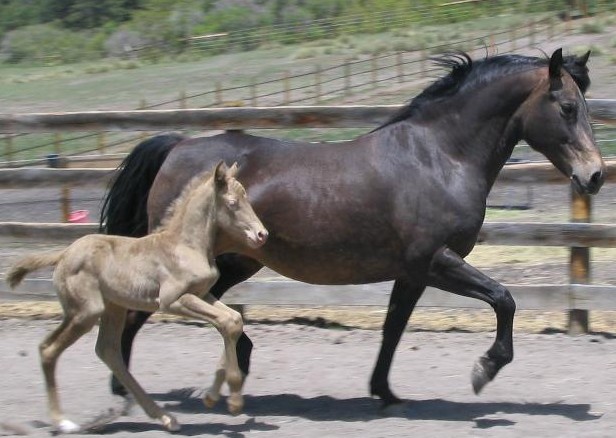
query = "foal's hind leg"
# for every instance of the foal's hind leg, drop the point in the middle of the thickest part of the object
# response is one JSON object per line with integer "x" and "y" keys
{"x": 229, "y": 323}
{"x": 108, "y": 349}
{"x": 69, "y": 331}
{"x": 451, "y": 273}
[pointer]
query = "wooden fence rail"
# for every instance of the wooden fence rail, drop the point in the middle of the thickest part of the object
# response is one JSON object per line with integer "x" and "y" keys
{"x": 566, "y": 234}
{"x": 354, "y": 116}
{"x": 574, "y": 235}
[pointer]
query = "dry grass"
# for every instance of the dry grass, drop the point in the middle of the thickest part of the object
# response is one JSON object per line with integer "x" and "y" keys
{"x": 370, "y": 318}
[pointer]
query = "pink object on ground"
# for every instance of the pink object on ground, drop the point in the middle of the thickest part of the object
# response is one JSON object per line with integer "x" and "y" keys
{"x": 78, "y": 216}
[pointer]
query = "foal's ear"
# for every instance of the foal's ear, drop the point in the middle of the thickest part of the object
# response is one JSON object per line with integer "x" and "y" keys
{"x": 556, "y": 64}
{"x": 220, "y": 174}
{"x": 232, "y": 172}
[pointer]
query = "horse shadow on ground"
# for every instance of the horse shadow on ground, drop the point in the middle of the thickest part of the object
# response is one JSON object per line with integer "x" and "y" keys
{"x": 361, "y": 409}
{"x": 327, "y": 408}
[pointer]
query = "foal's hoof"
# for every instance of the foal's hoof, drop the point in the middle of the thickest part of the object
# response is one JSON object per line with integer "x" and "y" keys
{"x": 483, "y": 372}
{"x": 170, "y": 423}
{"x": 235, "y": 404}
{"x": 67, "y": 426}
{"x": 210, "y": 399}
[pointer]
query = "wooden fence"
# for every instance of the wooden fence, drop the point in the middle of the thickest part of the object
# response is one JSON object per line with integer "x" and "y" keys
{"x": 578, "y": 236}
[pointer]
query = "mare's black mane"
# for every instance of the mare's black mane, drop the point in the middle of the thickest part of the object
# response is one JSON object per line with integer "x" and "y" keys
{"x": 464, "y": 72}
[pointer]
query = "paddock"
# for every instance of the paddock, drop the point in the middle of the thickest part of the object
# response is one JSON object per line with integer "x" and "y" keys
{"x": 310, "y": 381}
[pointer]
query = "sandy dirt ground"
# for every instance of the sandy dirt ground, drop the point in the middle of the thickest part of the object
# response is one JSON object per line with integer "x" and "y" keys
{"x": 310, "y": 382}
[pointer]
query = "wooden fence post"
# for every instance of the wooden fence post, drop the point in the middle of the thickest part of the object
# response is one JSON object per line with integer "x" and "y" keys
{"x": 579, "y": 264}
{"x": 9, "y": 148}
{"x": 531, "y": 33}
{"x": 347, "y": 77}
{"x": 57, "y": 161}
{"x": 317, "y": 84}
{"x": 142, "y": 135}
{"x": 373, "y": 70}
{"x": 253, "y": 93}
{"x": 100, "y": 144}
{"x": 400, "y": 67}
{"x": 182, "y": 99}
{"x": 218, "y": 94}
{"x": 287, "y": 90}
{"x": 512, "y": 38}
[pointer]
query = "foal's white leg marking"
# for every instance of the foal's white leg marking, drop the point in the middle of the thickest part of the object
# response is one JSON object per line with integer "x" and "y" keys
{"x": 230, "y": 325}
{"x": 72, "y": 327}
{"x": 67, "y": 426}
{"x": 108, "y": 348}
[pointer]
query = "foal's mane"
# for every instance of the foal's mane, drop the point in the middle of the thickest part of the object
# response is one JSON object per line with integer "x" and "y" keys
{"x": 179, "y": 204}
{"x": 466, "y": 73}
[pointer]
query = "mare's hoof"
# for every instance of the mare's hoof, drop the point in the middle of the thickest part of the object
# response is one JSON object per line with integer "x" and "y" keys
{"x": 170, "y": 423}
{"x": 393, "y": 409}
{"x": 387, "y": 397}
{"x": 210, "y": 400}
{"x": 235, "y": 404}
{"x": 67, "y": 426}
{"x": 482, "y": 374}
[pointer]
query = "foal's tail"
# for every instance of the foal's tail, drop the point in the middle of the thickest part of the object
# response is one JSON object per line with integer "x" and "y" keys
{"x": 124, "y": 206}
{"x": 31, "y": 263}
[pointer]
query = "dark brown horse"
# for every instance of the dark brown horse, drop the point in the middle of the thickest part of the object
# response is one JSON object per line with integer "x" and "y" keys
{"x": 404, "y": 202}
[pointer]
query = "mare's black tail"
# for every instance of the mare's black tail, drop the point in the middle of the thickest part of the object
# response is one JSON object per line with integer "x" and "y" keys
{"x": 124, "y": 206}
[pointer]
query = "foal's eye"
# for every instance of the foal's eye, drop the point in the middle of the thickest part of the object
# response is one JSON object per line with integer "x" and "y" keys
{"x": 232, "y": 203}
{"x": 568, "y": 110}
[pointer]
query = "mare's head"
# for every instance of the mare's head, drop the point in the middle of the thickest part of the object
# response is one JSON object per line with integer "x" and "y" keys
{"x": 234, "y": 214}
{"x": 555, "y": 121}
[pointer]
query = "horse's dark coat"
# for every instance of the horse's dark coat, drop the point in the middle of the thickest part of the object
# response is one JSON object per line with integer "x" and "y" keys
{"x": 404, "y": 202}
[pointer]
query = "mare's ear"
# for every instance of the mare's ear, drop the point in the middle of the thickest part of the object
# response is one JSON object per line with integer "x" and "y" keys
{"x": 582, "y": 60}
{"x": 556, "y": 64}
{"x": 232, "y": 172}
{"x": 220, "y": 174}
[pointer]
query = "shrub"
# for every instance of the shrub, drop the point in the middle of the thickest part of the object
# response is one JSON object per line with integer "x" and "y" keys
{"x": 47, "y": 43}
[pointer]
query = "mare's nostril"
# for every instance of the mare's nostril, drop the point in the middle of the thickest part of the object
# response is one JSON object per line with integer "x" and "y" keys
{"x": 596, "y": 178}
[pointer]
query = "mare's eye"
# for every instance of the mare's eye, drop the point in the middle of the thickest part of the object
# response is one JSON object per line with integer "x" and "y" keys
{"x": 232, "y": 203}
{"x": 568, "y": 110}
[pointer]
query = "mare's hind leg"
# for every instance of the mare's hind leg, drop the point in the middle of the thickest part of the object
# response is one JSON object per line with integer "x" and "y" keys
{"x": 134, "y": 321}
{"x": 404, "y": 297}
{"x": 229, "y": 323}
{"x": 69, "y": 331}
{"x": 108, "y": 349}
{"x": 233, "y": 269}
{"x": 451, "y": 273}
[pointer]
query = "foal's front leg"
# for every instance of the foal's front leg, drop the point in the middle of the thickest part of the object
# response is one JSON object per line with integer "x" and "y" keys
{"x": 451, "y": 273}
{"x": 229, "y": 323}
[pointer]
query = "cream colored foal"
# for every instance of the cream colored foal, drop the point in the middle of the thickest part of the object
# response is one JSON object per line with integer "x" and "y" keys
{"x": 172, "y": 269}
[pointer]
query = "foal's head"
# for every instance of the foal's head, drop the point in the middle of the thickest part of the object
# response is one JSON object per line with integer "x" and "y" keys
{"x": 555, "y": 122}
{"x": 234, "y": 214}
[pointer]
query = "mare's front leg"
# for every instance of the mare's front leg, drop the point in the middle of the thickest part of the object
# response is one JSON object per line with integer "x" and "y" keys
{"x": 451, "y": 273}
{"x": 134, "y": 321}
{"x": 404, "y": 297}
